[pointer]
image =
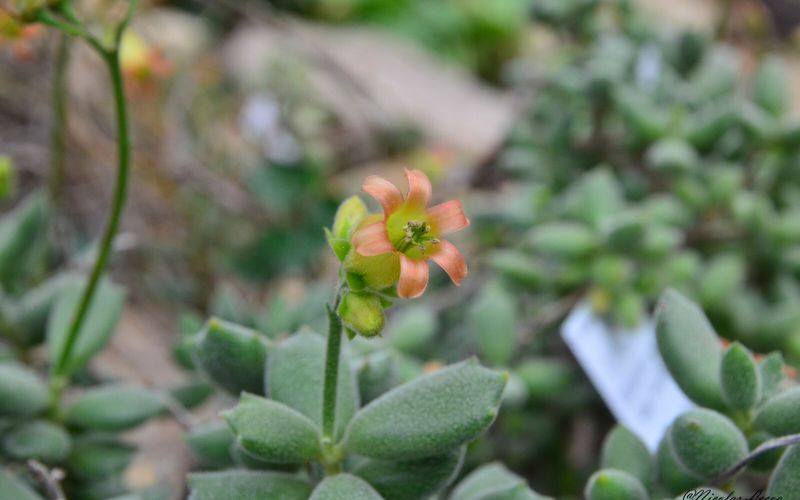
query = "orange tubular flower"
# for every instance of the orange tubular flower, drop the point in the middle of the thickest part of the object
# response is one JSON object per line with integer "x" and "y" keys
{"x": 412, "y": 231}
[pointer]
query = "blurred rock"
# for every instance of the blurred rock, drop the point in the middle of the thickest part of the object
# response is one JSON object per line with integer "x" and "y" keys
{"x": 371, "y": 80}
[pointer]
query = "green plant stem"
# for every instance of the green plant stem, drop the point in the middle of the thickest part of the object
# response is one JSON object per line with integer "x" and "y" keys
{"x": 58, "y": 136}
{"x": 58, "y": 378}
{"x": 332, "y": 355}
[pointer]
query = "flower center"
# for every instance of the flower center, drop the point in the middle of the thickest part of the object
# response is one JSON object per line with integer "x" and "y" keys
{"x": 416, "y": 234}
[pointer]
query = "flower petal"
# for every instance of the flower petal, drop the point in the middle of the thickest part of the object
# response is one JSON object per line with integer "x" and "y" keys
{"x": 372, "y": 240}
{"x": 419, "y": 188}
{"x": 447, "y": 217}
{"x": 450, "y": 259}
{"x": 384, "y": 192}
{"x": 413, "y": 277}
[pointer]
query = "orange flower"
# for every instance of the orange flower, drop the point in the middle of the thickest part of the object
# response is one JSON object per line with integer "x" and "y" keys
{"x": 412, "y": 231}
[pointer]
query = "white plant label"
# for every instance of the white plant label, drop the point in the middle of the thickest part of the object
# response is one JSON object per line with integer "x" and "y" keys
{"x": 626, "y": 369}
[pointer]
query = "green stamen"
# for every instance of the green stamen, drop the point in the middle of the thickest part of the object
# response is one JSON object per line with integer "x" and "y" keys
{"x": 417, "y": 234}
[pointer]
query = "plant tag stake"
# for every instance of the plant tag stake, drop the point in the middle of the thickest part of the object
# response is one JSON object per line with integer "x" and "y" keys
{"x": 626, "y": 369}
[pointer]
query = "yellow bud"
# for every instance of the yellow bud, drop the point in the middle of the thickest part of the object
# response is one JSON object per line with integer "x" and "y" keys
{"x": 362, "y": 312}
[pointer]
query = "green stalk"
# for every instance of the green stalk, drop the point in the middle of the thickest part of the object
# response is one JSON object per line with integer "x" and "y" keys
{"x": 58, "y": 378}
{"x": 58, "y": 136}
{"x": 332, "y": 355}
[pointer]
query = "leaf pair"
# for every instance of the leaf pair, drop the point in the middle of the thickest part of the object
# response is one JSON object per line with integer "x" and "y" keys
{"x": 426, "y": 417}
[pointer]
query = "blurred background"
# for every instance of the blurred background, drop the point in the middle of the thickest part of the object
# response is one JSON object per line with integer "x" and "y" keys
{"x": 604, "y": 150}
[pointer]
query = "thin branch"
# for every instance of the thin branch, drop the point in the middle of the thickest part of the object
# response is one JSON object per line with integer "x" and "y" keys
{"x": 764, "y": 447}
{"x": 50, "y": 479}
{"x": 123, "y": 25}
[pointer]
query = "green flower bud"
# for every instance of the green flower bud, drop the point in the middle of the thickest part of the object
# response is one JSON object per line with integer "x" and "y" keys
{"x": 362, "y": 312}
{"x": 349, "y": 214}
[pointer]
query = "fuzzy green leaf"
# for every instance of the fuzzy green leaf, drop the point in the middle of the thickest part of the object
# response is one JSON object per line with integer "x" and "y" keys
{"x": 31, "y": 312}
{"x": 273, "y": 431}
{"x": 247, "y": 485}
{"x": 780, "y": 414}
{"x": 772, "y": 373}
{"x": 690, "y": 349}
{"x": 232, "y": 356}
{"x": 114, "y": 408}
{"x": 95, "y": 457}
{"x": 20, "y": 231}
{"x": 546, "y": 378}
{"x": 344, "y": 487}
{"x": 785, "y": 481}
{"x": 412, "y": 479}
{"x": 740, "y": 378}
{"x": 671, "y": 474}
{"x": 429, "y": 415}
{"x": 611, "y": 484}
{"x": 518, "y": 266}
{"x": 771, "y": 87}
{"x": 493, "y": 482}
{"x": 38, "y": 440}
{"x": 378, "y": 373}
{"x": 211, "y": 443}
{"x": 706, "y": 443}
{"x": 295, "y": 378}
{"x": 192, "y": 393}
{"x": 13, "y": 488}
{"x": 563, "y": 239}
{"x": 492, "y": 318}
{"x": 671, "y": 155}
{"x": 22, "y": 393}
{"x": 623, "y": 450}
{"x": 98, "y": 325}
{"x": 412, "y": 328}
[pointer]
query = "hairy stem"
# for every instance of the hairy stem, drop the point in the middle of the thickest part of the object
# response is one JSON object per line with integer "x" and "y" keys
{"x": 111, "y": 57}
{"x": 332, "y": 355}
{"x": 58, "y": 136}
